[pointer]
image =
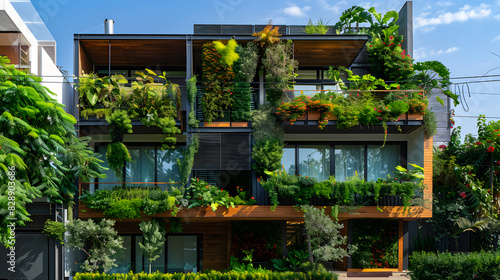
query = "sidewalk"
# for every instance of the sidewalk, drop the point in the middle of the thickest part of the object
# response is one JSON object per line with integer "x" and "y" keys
{"x": 395, "y": 276}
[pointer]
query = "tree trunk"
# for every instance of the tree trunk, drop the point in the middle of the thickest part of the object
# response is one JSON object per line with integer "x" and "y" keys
{"x": 150, "y": 262}
{"x": 309, "y": 251}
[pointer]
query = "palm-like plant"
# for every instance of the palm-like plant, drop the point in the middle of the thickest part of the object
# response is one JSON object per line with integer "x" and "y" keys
{"x": 355, "y": 14}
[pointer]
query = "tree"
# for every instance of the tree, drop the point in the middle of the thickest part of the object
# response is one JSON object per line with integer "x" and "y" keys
{"x": 324, "y": 240}
{"x": 154, "y": 240}
{"x": 103, "y": 239}
{"x": 40, "y": 154}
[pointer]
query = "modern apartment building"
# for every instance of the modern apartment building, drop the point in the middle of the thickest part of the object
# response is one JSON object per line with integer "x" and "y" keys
{"x": 224, "y": 157}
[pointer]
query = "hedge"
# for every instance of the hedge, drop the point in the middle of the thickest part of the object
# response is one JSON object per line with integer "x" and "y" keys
{"x": 215, "y": 275}
{"x": 447, "y": 266}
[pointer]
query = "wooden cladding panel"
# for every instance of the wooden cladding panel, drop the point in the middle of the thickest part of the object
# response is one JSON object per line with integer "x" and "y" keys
{"x": 342, "y": 265}
{"x": 287, "y": 213}
{"x": 428, "y": 162}
{"x": 84, "y": 63}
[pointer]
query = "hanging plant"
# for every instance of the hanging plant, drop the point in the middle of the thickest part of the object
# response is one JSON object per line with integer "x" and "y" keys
{"x": 117, "y": 155}
{"x": 119, "y": 124}
{"x": 244, "y": 68}
{"x": 192, "y": 92}
{"x": 280, "y": 70}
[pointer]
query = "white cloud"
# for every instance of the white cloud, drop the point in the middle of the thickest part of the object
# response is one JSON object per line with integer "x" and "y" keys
{"x": 366, "y": 5}
{"x": 338, "y": 7}
{"x": 296, "y": 11}
{"x": 427, "y": 29}
{"x": 497, "y": 17}
{"x": 444, "y": 3}
{"x": 496, "y": 38}
{"x": 424, "y": 14}
{"x": 421, "y": 53}
{"x": 465, "y": 13}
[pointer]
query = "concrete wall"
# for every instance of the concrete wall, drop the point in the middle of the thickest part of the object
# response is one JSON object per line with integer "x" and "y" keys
{"x": 52, "y": 77}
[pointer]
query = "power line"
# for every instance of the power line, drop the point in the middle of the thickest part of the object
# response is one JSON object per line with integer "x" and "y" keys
{"x": 475, "y": 117}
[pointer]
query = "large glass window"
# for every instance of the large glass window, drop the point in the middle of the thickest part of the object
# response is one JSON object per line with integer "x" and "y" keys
{"x": 382, "y": 161}
{"x": 288, "y": 159}
{"x": 111, "y": 176}
{"x": 139, "y": 257}
{"x": 142, "y": 166}
{"x": 168, "y": 169}
{"x": 368, "y": 162}
{"x": 182, "y": 254}
{"x": 349, "y": 161}
{"x": 124, "y": 258}
{"x": 148, "y": 164}
{"x": 314, "y": 161}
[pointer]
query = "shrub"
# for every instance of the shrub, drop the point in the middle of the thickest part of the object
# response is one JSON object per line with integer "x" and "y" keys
{"x": 125, "y": 208}
{"x": 480, "y": 265}
{"x": 212, "y": 275}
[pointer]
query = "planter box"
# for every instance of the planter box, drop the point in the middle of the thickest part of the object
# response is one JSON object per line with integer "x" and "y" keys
{"x": 415, "y": 117}
{"x": 216, "y": 124}
{"x": 314, "y": 116}
{"x": 225, "y": 124}
{"x": 239, "y": 124}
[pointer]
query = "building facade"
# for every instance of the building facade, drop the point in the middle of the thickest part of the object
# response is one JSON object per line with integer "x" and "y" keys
{"x": 224, "y": 158}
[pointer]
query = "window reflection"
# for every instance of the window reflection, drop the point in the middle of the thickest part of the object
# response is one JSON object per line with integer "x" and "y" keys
{"x": 314, "y": 161}
{"x": 288, "y": 160}
{"x": 349, "y": 161}
{"x": 382, "y": 161}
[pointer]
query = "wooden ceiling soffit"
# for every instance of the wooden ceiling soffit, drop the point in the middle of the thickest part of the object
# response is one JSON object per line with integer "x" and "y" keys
{"x": 158, "y": 52}
{"x": 327, "y": 52}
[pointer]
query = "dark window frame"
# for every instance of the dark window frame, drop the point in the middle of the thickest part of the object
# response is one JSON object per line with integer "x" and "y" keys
{"x": 157, "y": 146}
{"x": 332, "y": 144}
{"x": 133, "y": 252}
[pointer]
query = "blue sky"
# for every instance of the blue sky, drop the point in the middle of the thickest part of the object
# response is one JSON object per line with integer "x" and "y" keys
{"x": 460, "y": 34}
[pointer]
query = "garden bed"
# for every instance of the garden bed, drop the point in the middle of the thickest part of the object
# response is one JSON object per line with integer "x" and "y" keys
{"x": 215, "y": 275}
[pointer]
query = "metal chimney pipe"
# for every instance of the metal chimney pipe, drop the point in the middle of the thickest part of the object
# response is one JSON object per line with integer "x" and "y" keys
{"x": 108, "y": 26}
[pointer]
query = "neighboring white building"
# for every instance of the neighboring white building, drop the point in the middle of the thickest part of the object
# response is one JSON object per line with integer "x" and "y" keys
{"x": 27, "y": 42}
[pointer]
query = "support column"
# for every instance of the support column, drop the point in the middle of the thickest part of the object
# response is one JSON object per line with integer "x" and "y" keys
{"x": 349, "y": 242}
{"x": 400, "y": 245}
{"x": 406, "y": 244}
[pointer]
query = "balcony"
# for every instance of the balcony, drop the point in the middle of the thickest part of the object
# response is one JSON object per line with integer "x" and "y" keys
{"x": 392, "y": 199}
{"x": 350, "y": 110}
{"x": 225, "y": 118}
{"x": 146, "y": 100}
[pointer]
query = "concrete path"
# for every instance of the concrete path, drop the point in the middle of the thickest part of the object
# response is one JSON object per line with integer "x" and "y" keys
{"x": 395, "y": 276}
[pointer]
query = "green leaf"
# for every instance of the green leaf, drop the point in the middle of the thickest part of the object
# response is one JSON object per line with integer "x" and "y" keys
{"x": 441, "y": 101}
{"x": 402, "y": 169}
{"x": 150, "y": 72}
{"x": 417, "y": 167}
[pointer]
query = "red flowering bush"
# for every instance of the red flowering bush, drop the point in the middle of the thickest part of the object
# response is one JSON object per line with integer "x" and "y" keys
{"x": 291, "y": 111}
{"x": 477, "y": 163}
{"x": 377, "y": 243}
{"x": 388, "y": 60}
{"x": 263, "y": 251}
